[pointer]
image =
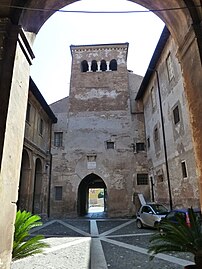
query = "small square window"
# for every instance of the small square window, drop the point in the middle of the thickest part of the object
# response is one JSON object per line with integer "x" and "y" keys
{"x": 176, "y": 115}
{"x": 184, "y": 169}
{"x": 58, "y": 193}
{"x": 140, "y": 147}
{"x": 110, "y": 145}
{"x": 58, "y": 139}
{"x": 142, "y": 179}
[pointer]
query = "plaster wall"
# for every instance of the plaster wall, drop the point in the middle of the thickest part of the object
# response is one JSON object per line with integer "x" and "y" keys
{"x": 179, "y": 144}
{"x": 99, "y": 112}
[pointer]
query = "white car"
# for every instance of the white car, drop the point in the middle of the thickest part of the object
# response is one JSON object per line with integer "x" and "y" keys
{"x": 149, "y": 215}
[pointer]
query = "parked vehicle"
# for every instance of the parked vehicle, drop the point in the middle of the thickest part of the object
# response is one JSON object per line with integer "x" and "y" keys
{"x": 182, "y": 213}
{"x": 149, "y": 215}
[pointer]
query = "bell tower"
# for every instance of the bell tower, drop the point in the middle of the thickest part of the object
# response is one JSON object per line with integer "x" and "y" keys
{"x": 99, "y": 79}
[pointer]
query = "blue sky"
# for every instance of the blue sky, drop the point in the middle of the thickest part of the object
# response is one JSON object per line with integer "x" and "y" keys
{"x": 52, "y": 65}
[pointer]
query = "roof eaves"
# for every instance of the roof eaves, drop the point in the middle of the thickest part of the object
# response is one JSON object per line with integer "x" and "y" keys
{"x": 152, "y": 65}
{"x": 33, "y": 88}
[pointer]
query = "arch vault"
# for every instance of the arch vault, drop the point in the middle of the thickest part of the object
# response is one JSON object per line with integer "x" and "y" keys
{"x": 183, "y": 19}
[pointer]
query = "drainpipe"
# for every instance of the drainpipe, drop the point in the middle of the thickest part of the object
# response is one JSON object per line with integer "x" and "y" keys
{"x": 164, "y": 141}
{"x": 50, "y": 171}
{"x": 49, "y": 186}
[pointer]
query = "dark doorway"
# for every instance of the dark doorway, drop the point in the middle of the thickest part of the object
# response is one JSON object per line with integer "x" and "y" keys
{"x": 24, "y": 186}
{"x": 37, "y": 188}
{"x": 91, "y": 181}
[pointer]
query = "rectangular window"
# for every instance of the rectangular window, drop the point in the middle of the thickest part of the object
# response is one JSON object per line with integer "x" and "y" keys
{"x": 110, "y": 145}
{"x": 184, "y": 169}
{"x": 156, "y": 134}
{"x": 160, "y": 178}
{"x": 28, "y": 112}
{"x": 176, "y": 115}
{"x": 58, "y": 139}
{"x": 140, "y": 147}
{"x": 58, "y": 193}
{"x": 153, "y": 97}
{"x": 148, "y": 142}
{"x": 142, "y": 179}
{"x": 169, "y": 65}
{"x": 41, "y": 127}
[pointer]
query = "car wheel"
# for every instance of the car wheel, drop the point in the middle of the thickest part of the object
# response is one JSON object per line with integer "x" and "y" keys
{"x": 139, "y": 224}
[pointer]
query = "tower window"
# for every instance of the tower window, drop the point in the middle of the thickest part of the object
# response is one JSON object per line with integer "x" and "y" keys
{"x": 94, "y": 66}
{"x": 103, "y": 65}
{"x": 113, "y": 65}
{"x": 84, "y": 66}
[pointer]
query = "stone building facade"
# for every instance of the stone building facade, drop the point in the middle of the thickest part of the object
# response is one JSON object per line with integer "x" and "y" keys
{"x": 36, "y": 158}
{"x": 16, "y": 57}
{"x": 99, "y": 139}
{"x": 171, "y": 161}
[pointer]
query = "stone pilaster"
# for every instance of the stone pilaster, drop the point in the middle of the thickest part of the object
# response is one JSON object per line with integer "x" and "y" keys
{"x": 15, "y": 59}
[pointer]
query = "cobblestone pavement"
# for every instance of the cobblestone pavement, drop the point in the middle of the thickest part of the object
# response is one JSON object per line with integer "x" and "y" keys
{"x": 98, "y": 244}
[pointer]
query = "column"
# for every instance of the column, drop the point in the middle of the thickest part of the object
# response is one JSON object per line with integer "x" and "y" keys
{"x": 89, "y": 66}
{"x": 107, "y": 62}
{"x": 15, "y": 59}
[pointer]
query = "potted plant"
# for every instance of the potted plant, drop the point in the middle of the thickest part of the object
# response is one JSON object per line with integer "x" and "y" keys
{"x": 179, "y": 237}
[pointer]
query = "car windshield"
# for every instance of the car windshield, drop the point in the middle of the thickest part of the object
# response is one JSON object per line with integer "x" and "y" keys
{"x": 160, "y": 209}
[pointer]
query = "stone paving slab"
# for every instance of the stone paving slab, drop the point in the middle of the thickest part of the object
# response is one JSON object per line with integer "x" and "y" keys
{"x": 72, "y": 256}
{"x": 100, "y": 244}
{"x": 104, "y": 226}
{"x": 121, "y": 258}
{"x": 83, "y": 225}
{"x": 56, "y": 229}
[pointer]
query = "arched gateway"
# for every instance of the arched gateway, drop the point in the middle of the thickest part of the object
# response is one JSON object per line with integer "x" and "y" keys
{"x": 91, "y": 181}
{"x": 183, "y": 19}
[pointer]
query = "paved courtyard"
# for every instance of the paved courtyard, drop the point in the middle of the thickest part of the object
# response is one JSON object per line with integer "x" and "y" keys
{"x": 96, "y": 243}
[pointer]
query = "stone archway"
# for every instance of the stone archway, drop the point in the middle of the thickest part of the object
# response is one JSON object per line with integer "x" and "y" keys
{"x": 16, "y": 56}
{"x": 90, "y": 181}
{"x": 24, "y": 186}
{"x": 37, "y": 206}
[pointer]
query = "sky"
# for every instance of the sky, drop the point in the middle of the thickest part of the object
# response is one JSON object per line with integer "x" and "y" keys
{"x": 52, "y": 64}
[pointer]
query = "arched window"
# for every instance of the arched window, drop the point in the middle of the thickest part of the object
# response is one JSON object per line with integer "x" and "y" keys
{"x": 84, "y": 66}
{"x": 103, "y": 65}
{"x": 94, "y": 66}
{"x": 113, "y": 65}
